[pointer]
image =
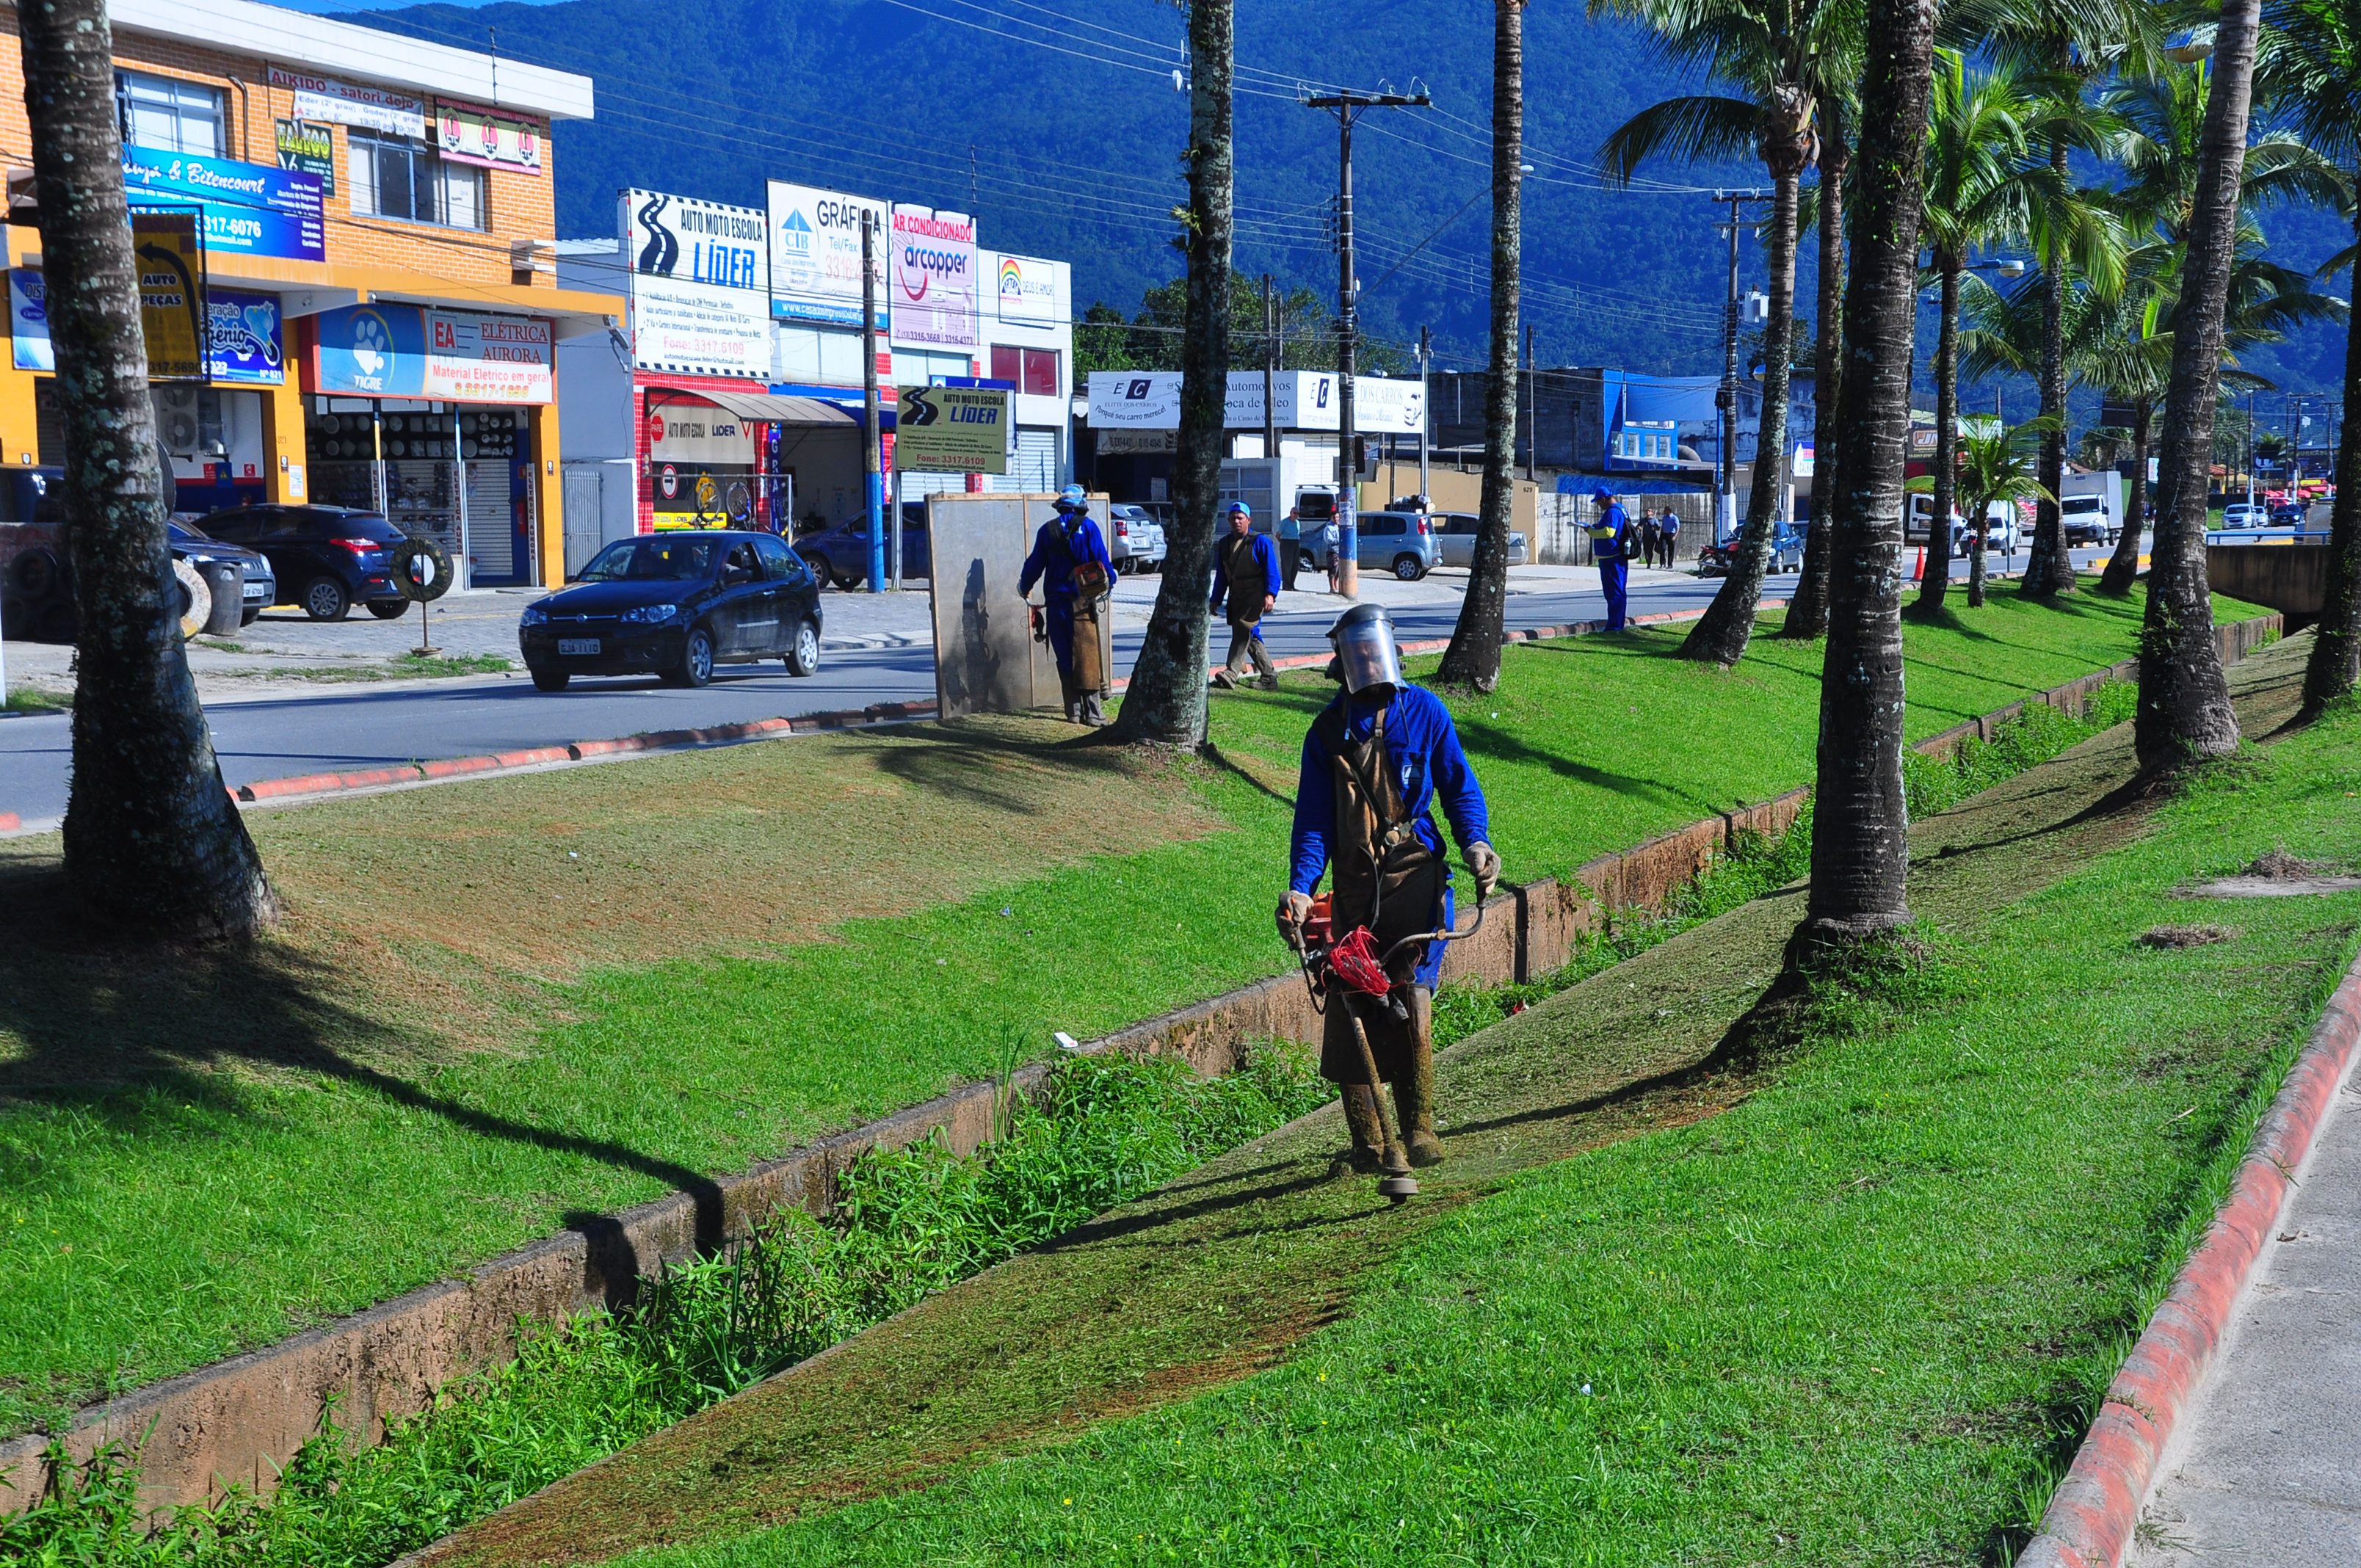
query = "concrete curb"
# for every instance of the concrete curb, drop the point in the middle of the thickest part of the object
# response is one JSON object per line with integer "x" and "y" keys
{"x": 241, "y": 1419}
{"x": 2092, "y": 1517}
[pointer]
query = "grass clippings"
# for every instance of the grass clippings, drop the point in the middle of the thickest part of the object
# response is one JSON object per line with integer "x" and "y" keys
{"x": 2173, "y": 939}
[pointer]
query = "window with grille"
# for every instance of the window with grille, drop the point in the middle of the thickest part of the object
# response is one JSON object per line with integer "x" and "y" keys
{"x": 391, "y": 177}
{"x": 170, "y": 116}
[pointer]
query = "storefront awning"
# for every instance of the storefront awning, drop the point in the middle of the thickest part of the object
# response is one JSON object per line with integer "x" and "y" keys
{"x": 771, "y": 407}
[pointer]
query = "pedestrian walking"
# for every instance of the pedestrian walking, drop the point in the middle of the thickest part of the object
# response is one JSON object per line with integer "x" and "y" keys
{"x": 1651, "y": 537}
{"x": 1069, "y": 560}
{"x": 1610, "y": 547}
{"x": 1672, "y": 536}
{"x": 1290, "y": 548}
{"x": 1375, "y": 764}
{"x": 1246, "y": 574}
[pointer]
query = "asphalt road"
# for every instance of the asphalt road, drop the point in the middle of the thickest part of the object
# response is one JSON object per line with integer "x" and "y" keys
{"x": 363, "y": 727}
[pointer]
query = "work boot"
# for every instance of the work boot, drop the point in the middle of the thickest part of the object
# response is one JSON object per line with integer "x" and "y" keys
{"x": 1368, "y": 1134}
{"x": 1268, "y": 683}
{"x": 1093, "y": 713}
{"x": 1414, "y": 1090}
{"x": 1074, "y": 710}
{"x": 1226, "y": 678}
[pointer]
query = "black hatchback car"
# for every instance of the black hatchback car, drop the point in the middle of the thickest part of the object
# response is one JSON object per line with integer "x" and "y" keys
{"x": 676, "y": 605}
{"x": 326, "y": 559}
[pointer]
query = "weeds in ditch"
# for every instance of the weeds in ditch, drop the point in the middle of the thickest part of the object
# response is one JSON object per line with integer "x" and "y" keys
{"x": 1096, "y": 1132}
{"x": 2039, "y": 732}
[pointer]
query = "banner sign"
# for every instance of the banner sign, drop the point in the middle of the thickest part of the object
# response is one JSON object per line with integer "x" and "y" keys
{"x": 171, "y": 262}
{"x": 952, "y": 429}
{"x": 308, "y": 148}
{"x": 488, "y": 139}
{"x": 816, "y": 255}
{"x": 249, "y": 209}
{"x": 1306, "y": 400}
{"x": 697, "y": 435}
{"x": 1138, "y": 400}
{"x": 700, "y": 285}
{"x": 28, "y": 323}
{"x": 407, "y": 351}
{"x": 1028, "y": 291}
{"x": 244, "y": 338}
{"x": 371, "y": 108}
{"x": 933, "y": 270}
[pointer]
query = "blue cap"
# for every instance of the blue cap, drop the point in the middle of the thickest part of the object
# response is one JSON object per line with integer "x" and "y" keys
{"x": 1072, "y": 496}
{"x": 1238, "y": 508}
{"x": 1600, "y": 495}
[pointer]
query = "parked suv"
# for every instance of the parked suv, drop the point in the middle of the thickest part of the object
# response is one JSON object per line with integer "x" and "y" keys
{"x": 1402, "y": 542}
{"x": 1456, "y": 531}
{"x": 326, "y": 558}
{"x": 1133, "y": 539}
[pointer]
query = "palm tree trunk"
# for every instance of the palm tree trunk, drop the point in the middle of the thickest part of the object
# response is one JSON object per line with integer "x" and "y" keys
{"x": 1937, "y": 582}
{"x": 2184, "y": 704}
{"x": 2336, "y": 648}
{"x": 2122, "y": 567}
{"x": 1166, "y": 703}
{"x": 1981, "y": 537}
{"x": 2048, "y": 570}
{"x": 1474, "y": 656}
{"x": 153, "y": 845}
{"x": 1861, "y": 848}
{"x": 1807, "y": 614}
{"x": 1729, "y": 622}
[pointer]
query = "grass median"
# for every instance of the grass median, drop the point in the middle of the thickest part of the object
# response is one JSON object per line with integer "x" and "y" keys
{"x": 504, "y": 1003}
{"x": 1853, "y": 1306}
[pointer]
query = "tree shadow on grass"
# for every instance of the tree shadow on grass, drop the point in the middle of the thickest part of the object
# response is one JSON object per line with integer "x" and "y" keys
{"x": 982, "y": 766}
{"x": 128, "y": 1036}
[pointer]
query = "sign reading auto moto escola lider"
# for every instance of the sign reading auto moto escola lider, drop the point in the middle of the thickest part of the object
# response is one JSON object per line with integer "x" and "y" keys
{"x": 249, "y": 209}
{"x": 816, "y": 255}
{"x": 700, "y": 285}
{"x": 406, "y": 351}
{"x": 934, "y": 279}
{"x": 952, "y": 429}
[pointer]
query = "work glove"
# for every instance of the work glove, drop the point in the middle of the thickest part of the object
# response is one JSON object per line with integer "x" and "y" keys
{"x": 1293, "y": 911}
{"x": 1484, "y": 864}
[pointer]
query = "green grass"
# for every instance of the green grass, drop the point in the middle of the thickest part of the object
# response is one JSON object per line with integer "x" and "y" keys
{"x": 402, "y": 667}
{"x": 1858, "y": 1317}
{"x": 507, "y": 1004}
{"x": 36, "y": 699}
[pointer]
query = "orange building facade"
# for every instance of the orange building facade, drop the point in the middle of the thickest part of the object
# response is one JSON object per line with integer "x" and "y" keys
{"x": 382, "y": 300}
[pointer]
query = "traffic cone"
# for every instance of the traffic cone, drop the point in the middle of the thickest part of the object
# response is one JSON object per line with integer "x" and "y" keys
{"x": 1919, "y": 568}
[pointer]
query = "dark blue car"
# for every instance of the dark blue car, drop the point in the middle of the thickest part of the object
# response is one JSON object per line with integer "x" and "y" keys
{"x": 840, "y": 552}
{"x": 674, "y": 605}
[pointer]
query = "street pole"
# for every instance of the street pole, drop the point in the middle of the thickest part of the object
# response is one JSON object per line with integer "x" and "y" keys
{"x": 1532, "y": 415}
{"x": 2250, "y": 451}
{"x": 1726, "y": 398}
{"x": 1348, "y": 290}
{"x": 873, "y": 458}
{"x": 1270, "y": 397}
{"x": 1425, "y": 420}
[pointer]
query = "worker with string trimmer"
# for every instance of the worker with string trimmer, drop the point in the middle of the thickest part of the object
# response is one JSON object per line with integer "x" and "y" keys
{"x": 1374, "y": 762}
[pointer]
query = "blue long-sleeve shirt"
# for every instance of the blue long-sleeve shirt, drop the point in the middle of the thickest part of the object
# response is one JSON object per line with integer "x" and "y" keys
{"x": 1265, "y": 556}
{"x": 1610, "y": 536}
{"x": 1057, "y": 549}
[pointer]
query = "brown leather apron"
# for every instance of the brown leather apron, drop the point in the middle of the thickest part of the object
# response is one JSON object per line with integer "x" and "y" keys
{"x": 1384, "y": 877}
{"x": 1090, "y": 656}
{"x": 1246, "y": 587}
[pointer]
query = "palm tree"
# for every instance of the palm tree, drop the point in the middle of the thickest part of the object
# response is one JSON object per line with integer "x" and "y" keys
{"x": 1807, "y": 611}
{"x": 1474, "y": 656}
{"x": 153, "y": 845}
{"x": 1778, "y": 54}
{"x": 1166, "y": 703}
{"x": 1975, "y": 141}
{"x": 2184, "y": 712}
{"x": 1996, "y": 464}
{"x": 2311, "y": 66}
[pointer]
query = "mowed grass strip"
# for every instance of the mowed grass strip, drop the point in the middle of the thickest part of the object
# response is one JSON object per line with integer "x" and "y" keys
{"x": 504, "y": 1003}
{"x": 1858, "y": 1317}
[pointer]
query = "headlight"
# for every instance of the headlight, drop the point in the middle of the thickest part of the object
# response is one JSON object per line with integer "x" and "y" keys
{"x": 534, "y": 616}
{"x": 650, "y": 615}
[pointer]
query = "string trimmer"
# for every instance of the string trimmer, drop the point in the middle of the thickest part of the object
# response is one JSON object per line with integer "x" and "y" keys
{"x": 1353, "y": 963}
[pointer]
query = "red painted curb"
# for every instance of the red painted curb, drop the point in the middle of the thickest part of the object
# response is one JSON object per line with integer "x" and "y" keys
{"x": 2091, "y": 1518}
{"x": 9, "y": 822}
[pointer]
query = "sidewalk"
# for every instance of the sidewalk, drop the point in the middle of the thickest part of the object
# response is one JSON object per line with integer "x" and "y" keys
{"x": 2269, "y": 1475}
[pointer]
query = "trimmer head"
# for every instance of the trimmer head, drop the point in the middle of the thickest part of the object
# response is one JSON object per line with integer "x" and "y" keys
{"x": 1398, "y": 1188}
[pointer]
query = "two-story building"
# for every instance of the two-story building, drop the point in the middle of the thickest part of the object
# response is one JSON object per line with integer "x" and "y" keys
{"x": 382, "y": 294}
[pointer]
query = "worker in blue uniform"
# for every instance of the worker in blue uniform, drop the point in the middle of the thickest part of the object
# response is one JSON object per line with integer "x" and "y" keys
{"x": 1069, "y": 560}
{"x": 1610, "y": 546}
{"x": 1375, "y": 762}
{"x": 1246, "y": 573}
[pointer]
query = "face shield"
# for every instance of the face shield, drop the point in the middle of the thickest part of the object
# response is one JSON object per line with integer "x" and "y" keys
{"x": 1365, "y": 655}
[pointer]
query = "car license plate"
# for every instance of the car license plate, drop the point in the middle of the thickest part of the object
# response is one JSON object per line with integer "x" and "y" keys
{"x": 255, "y": 590}
{"x": 573, "y": 647}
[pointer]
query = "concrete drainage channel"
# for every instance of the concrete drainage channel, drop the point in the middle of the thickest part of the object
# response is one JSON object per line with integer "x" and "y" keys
{"x": 242, "y": 1419}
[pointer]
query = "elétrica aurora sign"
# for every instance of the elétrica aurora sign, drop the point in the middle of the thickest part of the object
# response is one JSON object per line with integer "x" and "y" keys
{"x": 407, "y": 351}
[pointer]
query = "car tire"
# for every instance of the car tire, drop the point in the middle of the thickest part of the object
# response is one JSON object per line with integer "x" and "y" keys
{"x": 248, "y": 616}
{"x": 325, "y": 598}
{"x": 817, "y": 567}
{"x": 696, "y": 666}
{"x": 549, "y": 680}
{"x": 389, "y": 611}
{"x": 846, "y": 583}
{"x": 1409, "y": 568}
{"x": 36, "y": 573}
{"x": 803, "y": 657}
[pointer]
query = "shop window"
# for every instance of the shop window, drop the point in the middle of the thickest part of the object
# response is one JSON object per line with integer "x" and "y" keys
{"x": 168, "y": 115}
{"x": 1040, "y": 378}
{"x": 1008, "y": 363}
{"x": 391, "y": 177}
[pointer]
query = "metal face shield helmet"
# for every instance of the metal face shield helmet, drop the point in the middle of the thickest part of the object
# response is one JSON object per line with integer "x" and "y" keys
{"x": 1365, "y": 655}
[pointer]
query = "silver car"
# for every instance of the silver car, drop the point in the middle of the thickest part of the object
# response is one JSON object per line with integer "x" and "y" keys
{"x": 1455, "y": 530}
{"x": 1134, "y": 539}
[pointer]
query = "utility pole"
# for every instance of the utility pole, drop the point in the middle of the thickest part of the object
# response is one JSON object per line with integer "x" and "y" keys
{"x": 1425, "y": 418}
{"x": 1349, "y": 106}
{"x": 1725, "y": 398}
{"x": 1532, "y": 415}
{"x": 1270, "y": 397}
{"x": 873, "y": 456}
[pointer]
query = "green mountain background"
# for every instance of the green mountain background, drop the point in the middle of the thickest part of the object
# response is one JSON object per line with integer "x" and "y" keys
{"x": 1075, "y": 155}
